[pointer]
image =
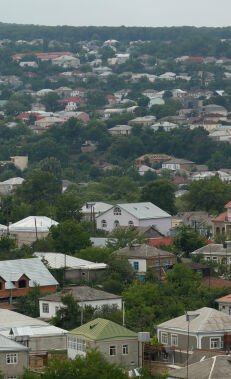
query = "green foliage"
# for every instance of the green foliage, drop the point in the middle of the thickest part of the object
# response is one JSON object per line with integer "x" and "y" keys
{"x": 6, "y": 244}
{"x": 188, "y": 240}
{"x": 69, "y": 237}
{"x": 121, "y": 237}
{"x": 119, "y": 274}
{"x": 51, "y": 165}
{"x": 94, "y": 365}
{"x": 29, "y": 304}
{"x": 161, "y": 193}
{"x": 208, "y": 195}
{"x": 50, "y": 100}
{"x": 39, "y": 185}
{"x": 68, "y": 207}
{"x": 94, "y": 254}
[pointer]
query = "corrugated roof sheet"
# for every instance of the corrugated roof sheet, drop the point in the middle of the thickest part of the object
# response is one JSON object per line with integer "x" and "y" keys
{"x": 31, "y": 223}
{"x": 32, "y": 267}
{"x": 59, "y": 260}
{"x": 82, "y": 293}
{"x": 207, "y": 319}
{"x": 101, "y": 329}
{"x": 144, "y": 210}
{"x": 6, "y": 344}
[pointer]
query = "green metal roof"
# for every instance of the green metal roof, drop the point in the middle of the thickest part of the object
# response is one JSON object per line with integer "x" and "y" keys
{"x": 101, "y": 329}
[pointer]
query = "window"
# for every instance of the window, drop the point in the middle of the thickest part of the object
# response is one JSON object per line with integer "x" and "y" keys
{"x": 157, "y": 264}
{"x": 125, "y": 349}
{"x": 164, "y": 338}
{"x": 215, "y": 343}
{"x": 75, "y": 343}
{"x": 0, "y": 285}
{"x": 174, "y": 338}
{"x": 116, "y": 223}
{"x": 117, "y": 211}
{"x": 130, "y": 223}
{"x": 45, "y": 308}
{"x": 11, "y": 359}
{"x": 112, "y": 350}
{"x": 104, "y": 223}
{"x": 215, "y": 259}
{"x": 136, "y": 266}
{"x": 12, "y": 377}
{"x": 208, "y": 258}
{"x": 22, "y": 283}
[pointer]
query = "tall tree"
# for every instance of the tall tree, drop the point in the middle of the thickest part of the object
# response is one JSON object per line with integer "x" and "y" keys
{"x": 161, "y": 193}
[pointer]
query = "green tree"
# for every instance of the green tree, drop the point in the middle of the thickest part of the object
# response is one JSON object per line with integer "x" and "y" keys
{"x": 96, "y": 99}
{"x": 39, "y": 185}
{"x": 69, "y": 237}
{"x": 188, "y": 240}
{"x": 50, "y": 100}
{"x": 208, "y": 195}
{"x": 121, "y": 237}
{"x": 51, "y": 165}
{"x": 93, "y": 366}
{"x": 68, "y": 207}
{"x": 29, "y": 304}
{"x": 69, "y": 316}
{"x": 161, "y": 193}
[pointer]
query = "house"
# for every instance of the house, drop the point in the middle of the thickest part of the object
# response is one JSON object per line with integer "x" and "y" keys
{"x": 214, "y": 108}
{"x": 87, "y": 296}
{"x": 215, "y": 367}
{"x": 30, "y": 229}
{"x": 204, "y": 328}
{"x": 215, "y": 253}
{"x": 152, "y": 158}
{"x": 224, "y": 304}
{"x": 9, "y": 185}
{"x": 198, "y": 220}
{"x": 46, "y": 122}
{"x": 120, "y": 130}
{"x": 222, "y": 222}
{"x": 168, "y": 76}
{"x": 117, "y": 343}
{"x": 63, "y": 91}
{"x": 20, "y": 162}
{"x": 66, "y": 61}
{"x": 134, "y": 214}
{"x": 178, "y": 164}
{"x": 165, "y": 125}
{"x": 72, "y": 103}
{"x": 143, "y": 169}
{"x": 144, "y": 121}
{"x": 29, "y": 64}
{"x": 14, "y": 357}
{"x": 17, "y": 276}
{"x": 144, "y": 257}
{"x": 40, "y": 337}
{"x": 76, "y": 269}
{"x": 202, "y": 175}
{"x": 93, "y": 209}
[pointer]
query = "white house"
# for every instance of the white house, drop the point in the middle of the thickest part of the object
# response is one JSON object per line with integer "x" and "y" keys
{"x": 48, "y": 305}
{"x": 134, "y": 214}
{"x": 118, "y": 130}
{"x": 94, "y": 209}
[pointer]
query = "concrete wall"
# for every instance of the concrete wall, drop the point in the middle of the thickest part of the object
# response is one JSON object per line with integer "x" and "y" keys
{"x": 97, "y": 303}
{"x": 26, "y": 238}
{"x": 162, "y": 224}
{"x": 14, "y": 369}
{"x": 130, "y": 360}
{"x": 225, "y": 307}
{"x": 47, "y": 343}
{"x": 182, "y": 340}
{"x": 80, "y": 275}
{"x": 142, "y": 264}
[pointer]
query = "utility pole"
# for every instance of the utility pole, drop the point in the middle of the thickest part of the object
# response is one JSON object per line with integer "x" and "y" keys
{"x": 123, "y": 305}
{"x": 36, "y": 231}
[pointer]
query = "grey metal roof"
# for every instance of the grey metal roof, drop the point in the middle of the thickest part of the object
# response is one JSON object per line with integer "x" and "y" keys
{"x": 217, "y": 367}
{"x": 213, "y": 248}
{"x": 144, "y": 210}
{"x": 82, "y": 293}
{"x": 59, "y": 260}
{"x": 7, "y": 344}
{"x": 206, "y": 320}
{"x": 32, "y": 267}
{"x": 144, "y": 251}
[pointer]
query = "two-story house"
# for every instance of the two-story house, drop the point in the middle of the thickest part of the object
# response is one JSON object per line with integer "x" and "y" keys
{"x": 204, "y": 328}
{"x": 117, "y": 343}
{"x": 222, "y": 222}
{"x": 134, "y": 214}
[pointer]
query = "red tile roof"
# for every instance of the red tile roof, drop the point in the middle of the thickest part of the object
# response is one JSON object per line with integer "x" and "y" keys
{"x": 74, "y": 99}
{"x": 228, "y": 205}
{"x": 221, "y": 217}
{"x": 226, "y": 298}
{"x": 216, "y": 282}
{"x": 158, "y": 241}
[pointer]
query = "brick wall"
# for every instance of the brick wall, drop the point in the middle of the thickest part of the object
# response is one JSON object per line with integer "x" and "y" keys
{"x": 24, "y": 291}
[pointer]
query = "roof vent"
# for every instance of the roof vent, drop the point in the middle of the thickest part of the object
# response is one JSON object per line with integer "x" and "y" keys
{"x": 92, "y": 326}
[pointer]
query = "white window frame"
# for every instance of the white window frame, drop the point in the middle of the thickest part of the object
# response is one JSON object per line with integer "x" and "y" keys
{"x": 130, "y": 223}
{"x": 208, "y": 259}
{"x": 164, "y": 340}
{"x": 75, "y": 343}
{"x": 116, "y": 223}
{"x": 104, "y": 223}
{"x": 12, "y": 358}
{"x": 111, "y": 349}
{"x": 212, "y": 347}
{"x": 125, "y": 350}
{"x": 45, "y": 307}
{"x": 174, "y": 336}
{"x": 215, "y": 259}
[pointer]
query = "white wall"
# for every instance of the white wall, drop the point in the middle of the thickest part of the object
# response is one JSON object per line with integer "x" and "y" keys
{"x": 142, "y": 264}
{"x": 109, "y": 216}
{"x": 94, "y": 304}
